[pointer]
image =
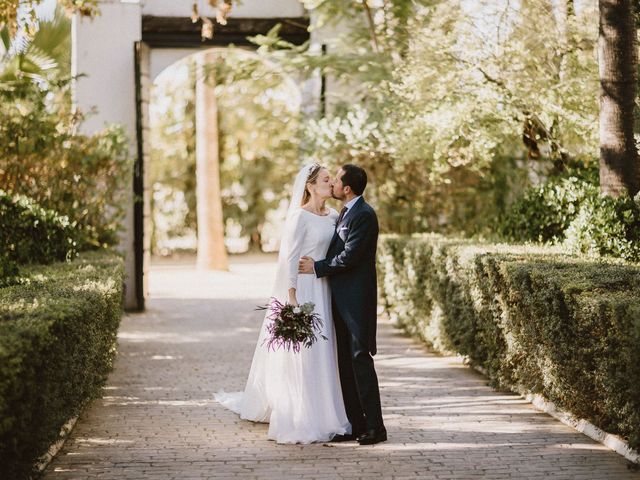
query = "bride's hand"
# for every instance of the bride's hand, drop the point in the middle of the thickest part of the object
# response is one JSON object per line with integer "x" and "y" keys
{"x": 293, "y": 300}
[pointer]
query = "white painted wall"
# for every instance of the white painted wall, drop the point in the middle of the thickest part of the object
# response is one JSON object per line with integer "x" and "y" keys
{"x": 163, "y": 58}
{"x": 328, "y": 35}
{"x": 103, "y": 50}
{"x": 246, "y": 9}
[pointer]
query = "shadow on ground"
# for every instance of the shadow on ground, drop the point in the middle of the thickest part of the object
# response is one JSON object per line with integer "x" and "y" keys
{"x": 158, "y": 419}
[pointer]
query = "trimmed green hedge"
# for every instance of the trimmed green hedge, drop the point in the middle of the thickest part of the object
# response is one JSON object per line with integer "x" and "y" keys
{"x": 536, "y": 320}
{"x": 57, "y": 343}
{"x": 31, "y": 234}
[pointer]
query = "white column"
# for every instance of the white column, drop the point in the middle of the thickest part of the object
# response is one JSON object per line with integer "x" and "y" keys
{"x": 334, "y": 91}
{"x": 103, "y": 50}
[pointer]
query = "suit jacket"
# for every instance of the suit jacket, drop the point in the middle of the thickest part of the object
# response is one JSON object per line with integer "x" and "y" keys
{"x": 351, "y": 267}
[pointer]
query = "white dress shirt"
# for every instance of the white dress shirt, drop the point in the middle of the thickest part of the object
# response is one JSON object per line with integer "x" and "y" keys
{"x": 350, "y": 204}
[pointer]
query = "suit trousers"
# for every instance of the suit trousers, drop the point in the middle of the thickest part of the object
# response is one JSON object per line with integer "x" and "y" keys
{"x": 358, "y": 378}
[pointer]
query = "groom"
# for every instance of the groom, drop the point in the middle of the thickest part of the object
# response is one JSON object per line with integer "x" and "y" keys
{"x": 351, "y": 268}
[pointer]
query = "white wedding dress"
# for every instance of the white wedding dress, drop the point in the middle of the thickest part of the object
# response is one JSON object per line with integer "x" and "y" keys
{"x": 298, "y": 394}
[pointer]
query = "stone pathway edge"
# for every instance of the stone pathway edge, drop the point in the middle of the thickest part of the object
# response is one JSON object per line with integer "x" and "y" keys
{"x": 609, "y": 440}
{"x": 43, "y": 462}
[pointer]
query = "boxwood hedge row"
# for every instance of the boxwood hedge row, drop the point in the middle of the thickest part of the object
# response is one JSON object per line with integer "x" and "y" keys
{"x": 58, "y": 329}
{"x": 536, "y": 320}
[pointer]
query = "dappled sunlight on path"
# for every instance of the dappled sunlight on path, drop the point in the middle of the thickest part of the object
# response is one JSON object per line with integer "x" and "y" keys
{"x": 158, "y": 420}
{"x": 248, "y": 277}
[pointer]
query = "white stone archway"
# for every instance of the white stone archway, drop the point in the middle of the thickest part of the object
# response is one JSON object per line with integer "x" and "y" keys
{"x": 122, "y": 50}
{"x": 160, "y": 66}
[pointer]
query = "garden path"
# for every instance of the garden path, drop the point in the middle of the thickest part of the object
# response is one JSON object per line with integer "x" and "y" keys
{"x": 158, "y": 420}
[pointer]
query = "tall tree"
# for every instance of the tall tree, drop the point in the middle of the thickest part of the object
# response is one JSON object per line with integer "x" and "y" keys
{"x": 618, "y": 59}
{"x": 212, "y": 253}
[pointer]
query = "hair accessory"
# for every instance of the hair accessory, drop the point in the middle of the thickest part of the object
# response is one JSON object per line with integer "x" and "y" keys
{"x": 315, "y": 167}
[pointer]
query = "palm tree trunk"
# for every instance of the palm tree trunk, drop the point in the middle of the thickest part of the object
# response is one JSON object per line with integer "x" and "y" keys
{"x": 212, "y": 254}
{"x": 618, "y": 59}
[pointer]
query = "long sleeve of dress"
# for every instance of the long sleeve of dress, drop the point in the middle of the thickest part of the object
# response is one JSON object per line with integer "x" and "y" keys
{"x": 294, "y": 242}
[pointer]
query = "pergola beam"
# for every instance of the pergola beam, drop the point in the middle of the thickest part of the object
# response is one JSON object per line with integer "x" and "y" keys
{"x": 181, "y": 32}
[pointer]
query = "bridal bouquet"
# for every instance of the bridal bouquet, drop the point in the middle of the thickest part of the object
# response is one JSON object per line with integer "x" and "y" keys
{"x": 292, "y": 326}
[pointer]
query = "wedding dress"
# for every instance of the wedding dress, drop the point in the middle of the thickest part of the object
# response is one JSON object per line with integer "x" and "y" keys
{"x": 298, "y": 394}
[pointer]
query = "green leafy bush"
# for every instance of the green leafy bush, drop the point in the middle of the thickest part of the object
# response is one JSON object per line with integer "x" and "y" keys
{"x": 81, "y": 177}
{"x": 8, "y": 270}
{"x": 534, "y": 318}
{"x": 606, "y": 226}
{"x": 32, "y": 234}
{"x": 570, "y": 210}
{"x": 57, "y": 343}
{"x": 544, "y": 213}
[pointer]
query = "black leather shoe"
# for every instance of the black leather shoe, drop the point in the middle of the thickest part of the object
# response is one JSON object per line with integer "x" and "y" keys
{"x": 343, "y": 438}
{"x": 375, "y": 435}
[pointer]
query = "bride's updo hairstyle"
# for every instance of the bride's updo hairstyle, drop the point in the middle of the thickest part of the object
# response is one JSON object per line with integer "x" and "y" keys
{"x": 312, "y": 178}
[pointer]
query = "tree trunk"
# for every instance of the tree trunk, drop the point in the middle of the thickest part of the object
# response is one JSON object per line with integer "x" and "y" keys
{"x": 255, "y": 241}
{"x": 618, "y": 58}
{"x": 212, "y": 254}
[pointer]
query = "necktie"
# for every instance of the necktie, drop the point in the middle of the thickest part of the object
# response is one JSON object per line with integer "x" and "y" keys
{"x": 342, "y": 213}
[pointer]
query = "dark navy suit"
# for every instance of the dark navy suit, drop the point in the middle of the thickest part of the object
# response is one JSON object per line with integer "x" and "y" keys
{"x": 351, "y": 267}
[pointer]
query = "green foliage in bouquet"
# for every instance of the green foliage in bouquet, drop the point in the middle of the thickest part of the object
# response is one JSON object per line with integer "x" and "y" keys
{"x": 292, "y": 327}
{"x": 81, "y": 177}
{"x": 31, "y": 234}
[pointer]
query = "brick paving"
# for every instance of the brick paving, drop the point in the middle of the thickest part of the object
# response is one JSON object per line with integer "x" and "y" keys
{"x": 158, "y": 420}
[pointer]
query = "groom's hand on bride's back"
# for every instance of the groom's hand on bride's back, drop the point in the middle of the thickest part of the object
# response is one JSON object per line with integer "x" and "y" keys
{"x": 305, "y": 265}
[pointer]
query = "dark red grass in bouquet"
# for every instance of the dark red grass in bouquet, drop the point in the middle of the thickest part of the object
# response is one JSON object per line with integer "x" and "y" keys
{"x": 292, "y": 327}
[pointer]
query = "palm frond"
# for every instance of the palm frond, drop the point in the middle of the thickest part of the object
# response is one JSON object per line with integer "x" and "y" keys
{"x": 37, "y": 58}
{"x": 54, "y": 37}
{"x": 5, "y": 38}
{"x": 47, "y": 54}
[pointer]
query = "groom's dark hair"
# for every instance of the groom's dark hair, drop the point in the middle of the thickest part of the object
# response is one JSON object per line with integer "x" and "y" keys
{"x": 355, "y": 177}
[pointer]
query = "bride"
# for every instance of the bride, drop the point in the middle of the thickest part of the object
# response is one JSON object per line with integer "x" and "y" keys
{"x": 299, "y": 394}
